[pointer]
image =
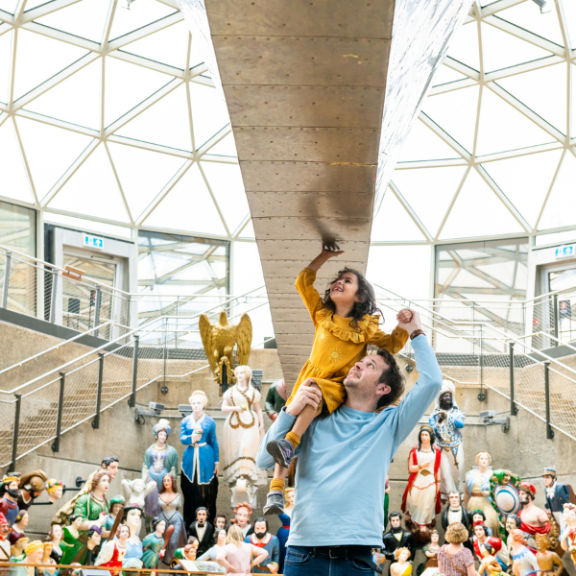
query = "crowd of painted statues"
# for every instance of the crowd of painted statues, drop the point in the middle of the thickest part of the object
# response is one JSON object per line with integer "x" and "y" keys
{"x": 487, "y": 515}
{"x": 184, "y": 530}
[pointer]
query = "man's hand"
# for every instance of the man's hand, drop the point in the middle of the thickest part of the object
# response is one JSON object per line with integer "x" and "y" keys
{"x": 409, "y": 320}
{"x": 307, "y": 395}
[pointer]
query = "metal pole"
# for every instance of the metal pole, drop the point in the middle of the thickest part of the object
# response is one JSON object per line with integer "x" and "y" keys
{"x": 556, "y": 319}
{"x": 513, "y": 409}
{"x": 53, "y": 296}
{"x": 6, "y": 280}
{"x": 15, "y": 435}
{"x": 481, "y": 396}
{"x": 132, "y": 400}
{"x": 164, "y": 388}
{"x": 96, "y": 421}
{"x": 97, "y": 309}
{"x": 549, "y": 431}
{"x": 56, "y": 443}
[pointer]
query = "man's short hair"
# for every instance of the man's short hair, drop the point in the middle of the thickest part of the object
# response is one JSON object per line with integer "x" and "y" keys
{"x": 201, "y": 509}
{"x": 391, "y": 376}
{"x": 394, "y": 515}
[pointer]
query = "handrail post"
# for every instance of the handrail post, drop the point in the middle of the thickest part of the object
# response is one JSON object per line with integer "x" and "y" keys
{"x": 481, "y": 396}
{"x": 556, "y": 319}
{"x": 6, "y": 280}
{"x": 53, "y": 296}
{"x": 97, "y": 309}
{"x": 132, "y": 399}
{"x": 513, "y": 409}
{"x": 56, "y": 443}
{"x": 96, "y": 421}
{"x": 549, "y": 431}
{"x": 164, "y": 388}
{"x": 16, "y": 430}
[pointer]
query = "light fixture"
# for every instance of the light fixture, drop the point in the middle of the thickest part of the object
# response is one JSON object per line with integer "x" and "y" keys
{"x": 543, "y": 5}
{"x": 126, "y": 3}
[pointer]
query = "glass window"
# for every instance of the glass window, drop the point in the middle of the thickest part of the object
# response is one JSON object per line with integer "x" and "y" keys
{"x": 18, "y": 228}
{"x": 180, "y": 274}
{"x": 481, "y": 281}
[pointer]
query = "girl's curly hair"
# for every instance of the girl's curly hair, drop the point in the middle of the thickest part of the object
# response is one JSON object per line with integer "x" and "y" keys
{"x": 366, "y": 298}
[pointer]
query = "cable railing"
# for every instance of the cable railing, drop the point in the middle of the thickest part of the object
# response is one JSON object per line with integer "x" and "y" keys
{"x": 548, "y": 317}
{"x": 68, "y": 297}
{"x": 43, "y": 409}
{"x": 480, "y": 354}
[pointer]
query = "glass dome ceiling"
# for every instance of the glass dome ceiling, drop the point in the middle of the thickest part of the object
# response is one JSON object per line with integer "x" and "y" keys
{"x": 493, "y": 150}
{"x": 108, "y": 113}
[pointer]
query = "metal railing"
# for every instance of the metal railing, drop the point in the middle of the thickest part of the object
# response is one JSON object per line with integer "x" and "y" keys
{"x": 480, "y": 354}
{"x": 548, "y": 317}
{"x": 62, "y": 296}
{"x": 45, "y": 407}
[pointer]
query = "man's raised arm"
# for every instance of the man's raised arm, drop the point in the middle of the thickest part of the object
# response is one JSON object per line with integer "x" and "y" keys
{"x": 426, "y": 389}
{"x": 306, "y": 395}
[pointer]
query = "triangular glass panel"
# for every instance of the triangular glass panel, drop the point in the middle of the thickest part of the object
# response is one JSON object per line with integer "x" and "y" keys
{"x": 226, "y": 183}
{"x": 248, "y": 231}
{"x": 85, "y": 19}
{"x": 189, "y": 207}
{"x": 464, "y": 46}
{"x": 50, "y": 151}
{"x": 142, "y": 173}
{"x": 393, "y": 223}
{"x": 446, "y": 75}
{"x": 39, "y": 58}
{"x": 225, "y": 147}
{"x": 15, "y": 183}
{"x": 75, "y": 100}
{"x": 429, "y": 192}
{"x": 165, "y": 123}
{"x": 478, "y": 212}
{"x": 168, "y": 46}
{"x": 127, "y": 85}
{"x": 502, "y": 50}
{"x": 30, "y": 4}
{"x": 502, "y": 127}
{"x": 527, "y": 15}
{"x": 8, "y": 5}
{"x": 140, "y": 14}
{"x": 85, "y": 194}
{"x": 573, "y": 95}
{"x": 570, "y": 19}
{"x": 455, "y": 112}
{"x": 525, "y": 180}
{"x": 560, "y": 207}
{"x": 423, "y": 144}
{"x": 542, "y": 90}
{"x": 209, "y": 113}
{"x": 5, "y": 53}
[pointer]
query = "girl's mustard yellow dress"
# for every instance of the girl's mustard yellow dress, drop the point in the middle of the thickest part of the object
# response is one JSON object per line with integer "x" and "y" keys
{"x": 337, "y": 345}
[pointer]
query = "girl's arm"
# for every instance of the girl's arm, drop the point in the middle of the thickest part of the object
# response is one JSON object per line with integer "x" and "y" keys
{"x": 322, "y": 258}
{"x": 221, "y": 559}
{"x": 259, "y": 555}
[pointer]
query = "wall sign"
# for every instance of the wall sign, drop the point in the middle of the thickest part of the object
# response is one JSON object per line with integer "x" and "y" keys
{"x": 565, "y": 252}
{"x": 93, "y": 242}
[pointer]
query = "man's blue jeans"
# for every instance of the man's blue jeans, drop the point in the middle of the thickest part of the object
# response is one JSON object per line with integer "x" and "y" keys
{"x": 303, "y": 562}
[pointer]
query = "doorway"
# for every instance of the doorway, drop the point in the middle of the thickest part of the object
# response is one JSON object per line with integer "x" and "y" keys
{"x": 80, "y": 301}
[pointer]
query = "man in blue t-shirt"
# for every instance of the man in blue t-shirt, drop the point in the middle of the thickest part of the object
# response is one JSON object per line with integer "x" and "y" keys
{"x": 344, "y": 459}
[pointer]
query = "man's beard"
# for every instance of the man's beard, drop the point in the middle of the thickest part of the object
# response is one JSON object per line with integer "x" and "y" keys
{"x": 446, "y": 405}
{"x": 14, "y": 492}
{"x": 524, "y": 501}
{"x": 260, "y": 535}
